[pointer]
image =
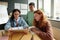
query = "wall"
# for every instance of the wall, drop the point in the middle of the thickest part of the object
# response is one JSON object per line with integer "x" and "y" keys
{"x": 11, "y": 6}
{"x": 11, "y": 3}
{"x": 55, "y": 23}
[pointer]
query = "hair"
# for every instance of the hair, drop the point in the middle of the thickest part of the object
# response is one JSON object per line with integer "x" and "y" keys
{"x": 12, "y": 17}
{"x": 32, "y": 4}
{"x": 42, "y": 21}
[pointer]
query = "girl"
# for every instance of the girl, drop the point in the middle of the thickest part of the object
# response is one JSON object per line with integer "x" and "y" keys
{"x": 42, "y": 26}
{"x": 15, "y": 20}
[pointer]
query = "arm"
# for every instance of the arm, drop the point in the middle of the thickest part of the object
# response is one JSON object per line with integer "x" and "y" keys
{"x": 45, "y": 35}
{"x": 48, "y": 35}
{"x": 24, "y": 23}
{"x": 27, "y": 17}
{"x": 8, "y": 25}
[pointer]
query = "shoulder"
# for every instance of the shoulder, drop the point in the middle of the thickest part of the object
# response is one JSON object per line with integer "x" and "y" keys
{"x": 28, "y": 12}
{"x": 21, "y": 18}
{"x": 9, "y": 20}
{"x": 47, "y": 23}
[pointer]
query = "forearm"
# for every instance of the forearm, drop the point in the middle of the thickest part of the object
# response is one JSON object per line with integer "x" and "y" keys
{"x": 7, "y": 27}
{"x": 43, "y": 35}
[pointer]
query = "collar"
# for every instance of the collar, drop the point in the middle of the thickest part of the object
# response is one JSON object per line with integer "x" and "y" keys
{"x": 17, "y": 19}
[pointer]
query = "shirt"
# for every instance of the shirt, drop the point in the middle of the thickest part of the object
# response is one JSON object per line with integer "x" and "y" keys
{"x": 30, "y": 17}
{"x": 44, "y": 32}
{"x": 20, "y": 20}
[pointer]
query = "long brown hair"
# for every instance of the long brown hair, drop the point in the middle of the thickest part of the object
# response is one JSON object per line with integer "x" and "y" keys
{"x": 42, "y": 21}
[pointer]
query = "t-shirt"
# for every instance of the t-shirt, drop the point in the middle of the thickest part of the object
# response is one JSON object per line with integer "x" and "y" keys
{"x": 30, "y": 17}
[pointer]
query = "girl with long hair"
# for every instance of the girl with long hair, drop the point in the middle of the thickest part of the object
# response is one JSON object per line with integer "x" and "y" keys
{"x": 16, "y": 20}
{"x": 42, "y": 26}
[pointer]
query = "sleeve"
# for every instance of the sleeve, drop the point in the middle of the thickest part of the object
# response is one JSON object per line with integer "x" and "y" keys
{"x": 27, "y": 17}
{"x": 48, "y": 35}
{"x": 8, "y": 25}
{"x": 24, "y": 23}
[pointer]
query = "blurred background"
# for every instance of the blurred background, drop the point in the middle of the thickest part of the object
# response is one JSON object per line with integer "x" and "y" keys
{"x": 51, "y": 9}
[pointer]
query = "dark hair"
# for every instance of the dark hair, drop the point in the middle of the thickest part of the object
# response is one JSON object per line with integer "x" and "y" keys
{"x": 32, "y": 4}
{"x": 12, "y": 17}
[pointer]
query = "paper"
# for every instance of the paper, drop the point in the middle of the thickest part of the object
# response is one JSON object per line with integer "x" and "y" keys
{"x": 17, "y": 6}
{"x": 23, "y": 12}
{"x": 24, "y": 6}
{"x": 16, "y": 28}
{"x": 3, "y": 14}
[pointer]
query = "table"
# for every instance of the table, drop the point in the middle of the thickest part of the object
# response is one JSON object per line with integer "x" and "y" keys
{"x": 18, "y": 35}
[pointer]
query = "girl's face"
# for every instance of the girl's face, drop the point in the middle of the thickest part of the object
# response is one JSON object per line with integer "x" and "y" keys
{"x": 37, "y": 17}
{"x": 16, "y": 14}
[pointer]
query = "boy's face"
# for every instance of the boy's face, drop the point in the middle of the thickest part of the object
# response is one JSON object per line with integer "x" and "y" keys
{"x": 31, "y": 7}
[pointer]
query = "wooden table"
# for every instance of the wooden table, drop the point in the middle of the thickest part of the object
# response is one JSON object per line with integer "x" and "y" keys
{"x": 19, "y": 35}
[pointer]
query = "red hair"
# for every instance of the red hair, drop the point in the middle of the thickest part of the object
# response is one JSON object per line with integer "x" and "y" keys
{"x": 42, "y": 21}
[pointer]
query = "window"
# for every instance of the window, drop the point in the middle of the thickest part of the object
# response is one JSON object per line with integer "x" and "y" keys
{"x": 57, "y": 9}
{"x": 51, "y": 8}
{"x": 3, "y": 12}
{"x": 22, "y": 7}
{"x": 47, "y": 7}
{"x": 39, "y": 4}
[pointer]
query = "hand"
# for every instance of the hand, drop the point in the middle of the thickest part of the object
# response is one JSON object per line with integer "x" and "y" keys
{"x": 35, "y": 30}
{"x": 25, "y": 31}
{"x": 10, "y": 32}
{"x": 31, "y": 27}
{"x": 26, "y": 28}
{"x": 10, "y": 28}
